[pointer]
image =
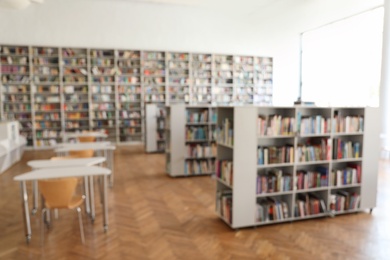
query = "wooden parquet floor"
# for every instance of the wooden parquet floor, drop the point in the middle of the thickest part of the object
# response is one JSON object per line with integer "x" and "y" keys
{"x": 152, "y": 216}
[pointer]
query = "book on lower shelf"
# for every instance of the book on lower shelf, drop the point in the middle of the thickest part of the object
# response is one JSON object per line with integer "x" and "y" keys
{"x": 224, "y": 171}
{"x": 344, "y": 200}
{"x": 223, "y": 205}
{"x": 271, "y": 209}
{"x": 309, "y": 204}
{"x": 309, "y": 179}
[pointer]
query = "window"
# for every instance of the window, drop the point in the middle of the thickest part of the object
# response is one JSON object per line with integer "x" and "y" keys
{"x": 341, "y": 62}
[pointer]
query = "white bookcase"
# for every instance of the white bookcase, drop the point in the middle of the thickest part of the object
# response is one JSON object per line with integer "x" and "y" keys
{"x": 309, "y": 162}
{"x": 52, "y": 90}
{"x": 155, "y": 128}
{"x": 190, "y": 140}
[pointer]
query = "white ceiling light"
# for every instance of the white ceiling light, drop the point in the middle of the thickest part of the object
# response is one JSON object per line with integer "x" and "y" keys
{"x": 17, "y": 4}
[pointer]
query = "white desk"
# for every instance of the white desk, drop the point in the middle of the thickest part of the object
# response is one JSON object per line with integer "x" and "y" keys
{"x": 66, "y": 172}
{"x": 89, "y": 192}
{"x": 103, "y": 143}
{"x": 98, "y": 135}
{"x": 102, "y": 150}
{"x": 41, "y": 164}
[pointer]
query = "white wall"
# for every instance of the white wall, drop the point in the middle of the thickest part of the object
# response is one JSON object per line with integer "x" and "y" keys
{"x": 272, "y": 31}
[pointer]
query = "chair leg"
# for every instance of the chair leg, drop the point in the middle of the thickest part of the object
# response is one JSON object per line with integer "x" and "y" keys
{"x": 43, "y": 226}
{"x": 81, "y": 225}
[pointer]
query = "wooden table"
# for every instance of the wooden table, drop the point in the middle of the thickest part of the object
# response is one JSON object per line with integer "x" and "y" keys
{"x": 66, "y": 172}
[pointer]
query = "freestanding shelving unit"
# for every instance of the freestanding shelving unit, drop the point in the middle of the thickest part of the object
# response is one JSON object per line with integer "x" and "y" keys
{"x": 52, "y": 90}
{"x": 190, "y": 139}
{"x": 155, "y": 128}
{"x": 279, "y": 164}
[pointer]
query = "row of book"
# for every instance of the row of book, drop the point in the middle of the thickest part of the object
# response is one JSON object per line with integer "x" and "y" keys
{"x": 47, "y": 116}
{"x": 196, "y": 133}
{"x": 312, "y": 179}
{"x": 47, "y": 134}
{"x": 130, "y": 131}
{"x": 199, "y": 151}
{"x": 314, "y": 125}
{"x": 46, "y": 107}
{"x": 5, "y": 69}
{"x": 224, "y": 171}
{"x": 309, "y": 204}
{"x": 274, "y": 125}
{"x": 350, "y": 175}
{"x": 271, "y": 209}
{"x": 345, "y": 149}
{"x": 76, "y": 125}
{"x": 16, "y": 89}
{"x": 224, "y": 204}
{"x": 197, "y": 117}
{"x": 16, "y": 98}
{"x": 47, "y": 124}
{"x": 348, "y": 124}
{"x": 103, "y": 115}
{"x": 198, "y": 167}
{"x": 44, "y": 143}
{"x": 76, "y": 107}
{"x": 344, "y": 200}
{"x": 225, "y": 132}
{"x": 273, "y": 181}
{"x": 275, "y": 154}
{"x": 314, "y": 152}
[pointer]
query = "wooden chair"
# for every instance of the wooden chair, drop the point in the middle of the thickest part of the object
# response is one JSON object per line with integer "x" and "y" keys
{"x": 59, "y": 194}
{"x": 81, "y": 154}
{"x": 86, "y": 139}
{"x": 63, "y": 158}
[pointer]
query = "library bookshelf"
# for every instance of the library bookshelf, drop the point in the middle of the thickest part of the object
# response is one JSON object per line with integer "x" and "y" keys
{"x": 190, "y": 140}
{"x": 154, "y": 128}
{"x": 52, "y": 90}
{"x": 282, "y": 164}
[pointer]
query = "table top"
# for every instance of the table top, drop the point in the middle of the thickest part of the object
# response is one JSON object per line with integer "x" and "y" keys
{"x": 83, "y": 146}
{"x": 50, "y": 173}
{"x": 40, "y": 164}
{"x": 86, "y": 144}
{"x": 85, "y": 134}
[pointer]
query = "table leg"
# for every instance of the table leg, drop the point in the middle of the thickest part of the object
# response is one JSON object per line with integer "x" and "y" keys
{"x": 111, "y": 167}
{"x": 86, "y": 192}
{"x": 26, "y": 216}
{"x": 35, "y": 197}
{"x": 92, "y": 198}
{"x": 105, "y": 204}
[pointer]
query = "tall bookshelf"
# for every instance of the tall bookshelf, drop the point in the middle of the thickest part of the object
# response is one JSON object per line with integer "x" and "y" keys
{"x": 68, "y": 89}
{"x": 201, "y": 78}
{"x": 191, "y": 148}
{"x": 46, "y": 96}
{"x": 243, "y": 79}
{"x": 104, "y": 95}
{"x": 263, "y": 80}
{"x": 75, "y": 89}
{"x": 223, "y": 88}
{"x": 178, "y": 77}
{"x": 16, "y": 94}
{"x": 155, "y": 128}
{"x": 130, "y": 96}
{"x": 282, "y": 164}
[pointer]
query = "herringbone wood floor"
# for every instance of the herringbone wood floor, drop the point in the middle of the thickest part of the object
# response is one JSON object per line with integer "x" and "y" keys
{"x": 153, "y": 216}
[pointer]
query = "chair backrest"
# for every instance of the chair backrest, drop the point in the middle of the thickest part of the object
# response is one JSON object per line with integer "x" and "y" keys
{"x": 86, "y": 139}
{"x": 56, "y": 158}
{"x": 58, "y": 192}
{"x": 81, "y": 153}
